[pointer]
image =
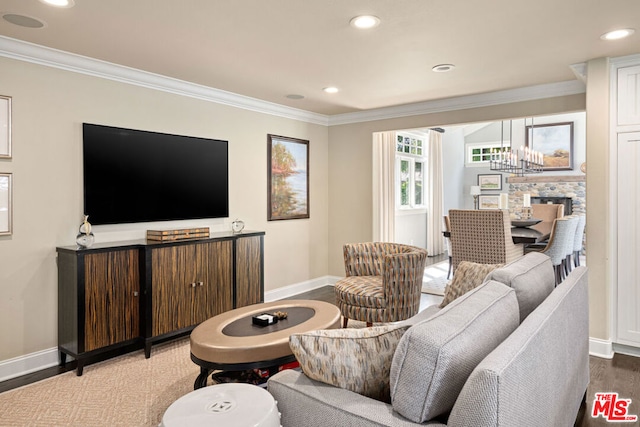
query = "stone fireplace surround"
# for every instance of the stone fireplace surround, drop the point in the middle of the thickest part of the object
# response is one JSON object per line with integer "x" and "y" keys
{"x": 570, "y": 186}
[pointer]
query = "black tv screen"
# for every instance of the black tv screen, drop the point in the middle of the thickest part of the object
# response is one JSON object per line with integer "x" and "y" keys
{"x": 139, "y": 176}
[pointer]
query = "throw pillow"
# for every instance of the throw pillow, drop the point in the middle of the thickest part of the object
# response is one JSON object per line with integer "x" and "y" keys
{"x": 435, "y": 357}
{"x": 354, "y": 359}
{"x": 468, "y": 276}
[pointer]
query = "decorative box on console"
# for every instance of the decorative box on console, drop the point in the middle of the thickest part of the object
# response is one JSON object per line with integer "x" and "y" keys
{"x": 179, "y": 234}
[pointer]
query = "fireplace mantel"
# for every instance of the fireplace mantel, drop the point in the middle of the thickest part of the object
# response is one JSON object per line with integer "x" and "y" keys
{"x": 545, "y": 178}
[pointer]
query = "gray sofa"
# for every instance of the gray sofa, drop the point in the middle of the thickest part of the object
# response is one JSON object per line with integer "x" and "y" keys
{"x": 514, "y": 355}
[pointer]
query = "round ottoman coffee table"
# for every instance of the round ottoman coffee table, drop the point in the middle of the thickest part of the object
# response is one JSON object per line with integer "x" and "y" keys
{"x": 223, "y": 405}
{"x": 231, "y": 342}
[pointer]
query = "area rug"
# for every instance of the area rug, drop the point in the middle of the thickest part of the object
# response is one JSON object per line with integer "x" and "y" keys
{"x": 125, "y": 391}
{"x": 435, "y": 278}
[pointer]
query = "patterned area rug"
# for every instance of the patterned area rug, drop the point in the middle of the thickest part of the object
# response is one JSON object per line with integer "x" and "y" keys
{"x": 435, "y": 278}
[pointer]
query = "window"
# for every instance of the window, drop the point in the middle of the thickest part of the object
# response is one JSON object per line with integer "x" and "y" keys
{"x": 410, "y": 169}
{"x": 479, "y": 154}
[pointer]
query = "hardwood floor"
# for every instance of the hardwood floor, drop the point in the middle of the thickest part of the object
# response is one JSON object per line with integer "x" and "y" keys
{"x": 620, "y": 374}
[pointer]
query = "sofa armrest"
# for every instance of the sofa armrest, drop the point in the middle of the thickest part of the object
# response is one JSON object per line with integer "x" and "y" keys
{"x": 309, "y": 403}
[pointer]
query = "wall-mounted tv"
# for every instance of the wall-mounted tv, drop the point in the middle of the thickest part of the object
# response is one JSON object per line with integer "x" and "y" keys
{"x": 138, "y": 176}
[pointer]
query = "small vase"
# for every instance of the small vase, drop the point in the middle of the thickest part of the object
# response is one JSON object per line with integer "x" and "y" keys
{"x": 85, "y": 237}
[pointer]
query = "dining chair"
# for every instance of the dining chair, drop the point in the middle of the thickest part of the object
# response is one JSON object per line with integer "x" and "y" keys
{"x": 568, "y": 248}
{"x": 447, "y": 228}
{"x": 482, "y": 236}
{"x": 547, "y": 212}
{"x": 577, "y": 241}
{"x": 561, "y": 233}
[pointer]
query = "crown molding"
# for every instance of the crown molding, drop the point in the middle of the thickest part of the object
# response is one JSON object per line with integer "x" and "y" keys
{"x": 41, "y": 55}
{"x": 529, "y": 93}
{"x": 580, "y": 70}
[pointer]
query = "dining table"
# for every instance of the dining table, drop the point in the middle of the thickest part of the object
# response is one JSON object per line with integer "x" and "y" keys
{"x": 526, "y": 235}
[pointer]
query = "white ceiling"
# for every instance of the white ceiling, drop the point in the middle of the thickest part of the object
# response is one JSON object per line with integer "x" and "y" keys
{"x": 268, "y": 49}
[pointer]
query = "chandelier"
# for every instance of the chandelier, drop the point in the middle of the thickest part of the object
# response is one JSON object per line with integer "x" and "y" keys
{"x": 517, "y": 162}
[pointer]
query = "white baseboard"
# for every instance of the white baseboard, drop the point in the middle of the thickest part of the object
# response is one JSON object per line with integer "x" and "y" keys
{"x": 298, "y": 288}
{"x": 601, "y": 348}
{"x": 27, "y": 364}
{"x": 626, "y": 349}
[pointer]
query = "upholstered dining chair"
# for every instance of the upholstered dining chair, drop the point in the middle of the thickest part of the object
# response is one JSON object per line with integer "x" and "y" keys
{"x": 383, "y": 282}
{"x": 447, "y": 227}
{"x": 547, "y": 212}
{"x": 569, "y": 243}
{"x": 577, "y": 241}
{"x": 562, "y": 232}
{"x": 482, "y": 236}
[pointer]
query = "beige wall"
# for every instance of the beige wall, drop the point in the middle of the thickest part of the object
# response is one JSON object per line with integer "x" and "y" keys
{"x": 49, "y": 106}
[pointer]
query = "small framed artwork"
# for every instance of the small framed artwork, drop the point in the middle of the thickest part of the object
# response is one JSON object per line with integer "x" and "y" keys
{"x": 489, "y": 201}
{"x": 5, "y": 204}
{"x": 555, "y": 142}
{"x": 287, "y": 178}
{"x": 5, "y": 127}
{"x": 490, "y": 181}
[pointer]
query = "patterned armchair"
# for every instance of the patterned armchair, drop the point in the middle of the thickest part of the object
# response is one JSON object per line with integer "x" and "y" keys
{"x": 383, "y": 282}
{"x": 482, "y": 236}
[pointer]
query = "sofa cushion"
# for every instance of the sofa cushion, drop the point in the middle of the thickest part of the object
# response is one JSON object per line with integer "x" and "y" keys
{"x": 468, "y": 276}
{"x": 532, "y": 277}
{"x": 435, "y": 357}
{"x": 355, "y": 359}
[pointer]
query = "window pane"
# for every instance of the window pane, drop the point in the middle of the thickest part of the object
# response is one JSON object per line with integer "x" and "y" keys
{"x": 418, "y": 193}
{"x": 406, "y": 149}
{"x": 475, "y": 151}
{"x": 418, "y": 175}
{"x": 419, "y": 151}
{"x": 475, "y": 158}
{"x": 399, "y": 147}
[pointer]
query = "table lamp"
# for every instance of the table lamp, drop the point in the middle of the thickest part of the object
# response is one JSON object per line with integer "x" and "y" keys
{"x": 475, "y": 192}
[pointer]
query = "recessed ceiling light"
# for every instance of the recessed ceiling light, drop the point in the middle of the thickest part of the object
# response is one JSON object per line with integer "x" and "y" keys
{"x": 59, "y": 3}
{"x": 23, "y": 20}
{"x": 443, "y": 68}
{"x": 365, "y": 21}
{"x": 331, "y": 89}
{"x": 617, "y": 34}
{"x": 295, "y": 96}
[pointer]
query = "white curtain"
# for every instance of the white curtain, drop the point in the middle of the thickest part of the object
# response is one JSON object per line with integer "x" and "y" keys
{"x": 384, "y": 195}
{"x": 435, "y": 221}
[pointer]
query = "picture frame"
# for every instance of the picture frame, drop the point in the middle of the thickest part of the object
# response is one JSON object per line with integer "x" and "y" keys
{"x": 489, "y": 201}
{"x": 287, "y": 178}
{"x": 5, "y": 204}
{"x": 555, "y": 142}
{"x": 5, "y": 127}
{"x": 491, "y": 182}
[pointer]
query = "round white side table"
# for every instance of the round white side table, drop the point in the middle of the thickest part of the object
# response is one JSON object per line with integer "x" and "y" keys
{"x": 224, "y": 405}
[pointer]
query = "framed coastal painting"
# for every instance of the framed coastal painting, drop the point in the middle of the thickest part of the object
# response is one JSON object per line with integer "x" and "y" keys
{"x": 287, "y": 178}
{"x": 489, "y": 201}
{"x": 5, "y": 204}
{"x": 490, "y": 181}
{"x": 555, "y": 142}
{"x": 5, "y": 127}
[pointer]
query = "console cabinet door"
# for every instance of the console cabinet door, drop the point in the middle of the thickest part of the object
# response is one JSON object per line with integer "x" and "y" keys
{"x": 190, "y": 284}
{"x": 249, "y": 275}
{"x": 214, "y": 293}
{"x": 111, "y": 298}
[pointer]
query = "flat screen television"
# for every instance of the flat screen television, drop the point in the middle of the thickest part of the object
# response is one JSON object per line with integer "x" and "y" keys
{"x": 138, "y": 176}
